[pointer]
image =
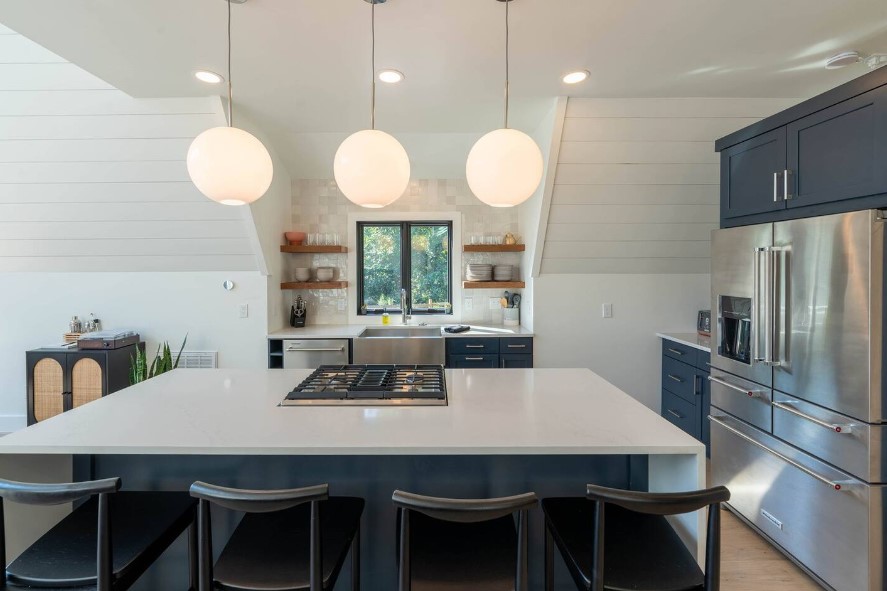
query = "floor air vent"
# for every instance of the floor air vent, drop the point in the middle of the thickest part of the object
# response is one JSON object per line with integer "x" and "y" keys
{"x": 199, "y": 359}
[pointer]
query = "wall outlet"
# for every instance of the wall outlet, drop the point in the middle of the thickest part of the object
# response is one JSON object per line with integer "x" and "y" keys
{"x": 494, "y": 304}
{"x": 341, "y": 305}
{"x": 243, "y": 310}
{"x": 607, "y": 311}
{"x": 468, "y": 305}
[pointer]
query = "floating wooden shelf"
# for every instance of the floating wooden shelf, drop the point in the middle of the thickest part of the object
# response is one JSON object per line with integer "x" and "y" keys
{"x": 494, "y": 247}
{"x": 302, "y": 248}
{"x": 314, "y": 285}
{"x": 493, "y": 284}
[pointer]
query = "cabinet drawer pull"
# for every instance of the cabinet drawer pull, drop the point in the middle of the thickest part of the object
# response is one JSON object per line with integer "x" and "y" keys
{"x": 836, "y": 427}
{"x": 675, "y": 378}
{"x": 474, "y": 346}
{"x": 835, "y": 485}
{"x": 517, "y": 346}
{"x": 746, "y": 391}
{"x": 786, "y": 184}
{"x": 474, "y": 359}
{"x": 674, "y": 413}
{"x": 675, "y": 351}
{"x": 316, "y": 350}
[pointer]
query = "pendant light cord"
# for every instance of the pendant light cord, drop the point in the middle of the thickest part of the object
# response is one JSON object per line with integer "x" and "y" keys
{"x": 507, "y": 2}
{"x": 373, "y": 59}
{"x": 230, "y": 93}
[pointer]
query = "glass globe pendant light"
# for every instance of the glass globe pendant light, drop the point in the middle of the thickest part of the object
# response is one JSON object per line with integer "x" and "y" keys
{"x": 227, "y": 164}
{"x": 371, "y": 167}
{"x": 504, "y": 167}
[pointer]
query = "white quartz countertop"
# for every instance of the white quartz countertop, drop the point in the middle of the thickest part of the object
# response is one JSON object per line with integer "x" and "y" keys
{"x": 352, "y": 331}
{"x": 691, "y": 339}
{"x": 236, "y": 412}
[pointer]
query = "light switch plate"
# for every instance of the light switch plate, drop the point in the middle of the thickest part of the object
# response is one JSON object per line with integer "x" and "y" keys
{"x": 494, "y": 304}
{"x": 607, "y": 311}
{"x": 243, "y": 310}
{"x": 341, "y": 304}
{"x": 468, "y": 304}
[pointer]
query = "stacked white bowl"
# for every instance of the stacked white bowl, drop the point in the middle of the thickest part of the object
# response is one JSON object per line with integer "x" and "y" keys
{"x": 478, "y": 272}
{"x": 503, "y": 272}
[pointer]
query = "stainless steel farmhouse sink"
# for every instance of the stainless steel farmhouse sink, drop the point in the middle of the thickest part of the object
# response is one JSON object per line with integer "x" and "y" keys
{"x": 419, "y": 345}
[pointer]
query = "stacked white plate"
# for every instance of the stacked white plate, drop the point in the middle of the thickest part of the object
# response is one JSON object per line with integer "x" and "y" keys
{"x": 478, "y": 272}
{"x": 503, "y": 272}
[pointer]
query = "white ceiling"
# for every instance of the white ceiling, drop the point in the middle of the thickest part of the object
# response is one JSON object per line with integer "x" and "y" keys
{"x": 302, "y": 66}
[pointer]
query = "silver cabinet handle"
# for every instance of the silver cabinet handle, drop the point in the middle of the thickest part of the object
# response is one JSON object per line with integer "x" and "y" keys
{"x": 474, "y": 359}
{"x": 474, "y": 346}
{"x": 674, "y": 414}
{"x": 786, "y": 184}
{"x": 836, "y": 427}
{"x": 775, "y": 187}
{"x": 746, "y": 391}
{"x": 675, "y": 378}
{"x": 675, "y": 351}
{"x": 291, "y": 350}
{"x": 786, "y": 459}
{"x": 517, "y": 346}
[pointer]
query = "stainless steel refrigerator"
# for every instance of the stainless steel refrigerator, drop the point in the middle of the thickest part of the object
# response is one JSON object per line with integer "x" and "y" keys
{"x": 797, "y": 391}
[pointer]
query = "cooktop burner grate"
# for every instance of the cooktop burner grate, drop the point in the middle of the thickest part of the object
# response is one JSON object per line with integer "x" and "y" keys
{"x": 371, "y": 385}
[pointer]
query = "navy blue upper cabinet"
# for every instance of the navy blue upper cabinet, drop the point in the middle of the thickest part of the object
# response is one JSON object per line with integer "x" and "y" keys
{"x": 840, "y": 152}
{"x": 751, "y": 175}
{"x": 823, "y": 156}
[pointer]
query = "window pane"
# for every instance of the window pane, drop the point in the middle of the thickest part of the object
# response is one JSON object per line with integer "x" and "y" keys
{"x": 381, "y": 266}
{"x": 430, "y": 265}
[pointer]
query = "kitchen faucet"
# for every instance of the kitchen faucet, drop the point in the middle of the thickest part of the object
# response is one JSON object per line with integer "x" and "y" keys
{"x": 404, "y": 313}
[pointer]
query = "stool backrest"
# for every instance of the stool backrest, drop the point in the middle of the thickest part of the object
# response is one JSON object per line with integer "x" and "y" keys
{"x": 674, "y": 503}
{"x": 256, "y": 501}
{"x": 32, "y": 493}
{"x": 463, "y": 511}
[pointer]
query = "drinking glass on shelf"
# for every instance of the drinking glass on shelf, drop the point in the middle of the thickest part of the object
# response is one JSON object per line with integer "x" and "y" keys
{"x": 335, "y": 240}
{"x": 475, "y": 239}
{"x": 489, "y": 239}
{"x": 309, "y": 239}
{"x": 500, "y": 239}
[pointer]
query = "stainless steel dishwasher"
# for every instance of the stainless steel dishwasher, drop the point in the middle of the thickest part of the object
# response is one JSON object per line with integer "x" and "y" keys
{"x": 312, "y": 353}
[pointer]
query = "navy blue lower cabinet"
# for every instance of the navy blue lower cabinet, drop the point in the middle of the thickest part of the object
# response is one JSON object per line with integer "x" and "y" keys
{"x": 474, "y": 352}
{"x": 473, "y": 361}
{"x": 686, "y": 392}
{"x": 507, "y": 361}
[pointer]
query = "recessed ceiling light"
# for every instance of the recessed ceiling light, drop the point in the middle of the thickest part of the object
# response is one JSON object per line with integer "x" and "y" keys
{"x": 576, "y": 77}
{"x": 847, "y": 58}
{"x": 208, "y": 77}
{"x": 391, "y": 76}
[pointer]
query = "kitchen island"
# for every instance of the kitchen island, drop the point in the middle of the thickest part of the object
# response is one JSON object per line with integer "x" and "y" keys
{"x": 550, "y": 431}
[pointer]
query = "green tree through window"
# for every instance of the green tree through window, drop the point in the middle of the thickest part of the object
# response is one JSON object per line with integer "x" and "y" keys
{"x": 411, "y": 255}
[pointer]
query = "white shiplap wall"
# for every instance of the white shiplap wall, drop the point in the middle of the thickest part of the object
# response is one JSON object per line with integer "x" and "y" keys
{"x": 92, "y": 179}
{"x": 636, "y": 187}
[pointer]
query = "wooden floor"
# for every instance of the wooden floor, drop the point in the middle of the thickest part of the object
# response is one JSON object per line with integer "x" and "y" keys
{"x": 749, "y": 563}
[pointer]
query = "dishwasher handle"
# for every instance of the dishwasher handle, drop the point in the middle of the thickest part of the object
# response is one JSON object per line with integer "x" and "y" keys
{"x": 317, "y": 349}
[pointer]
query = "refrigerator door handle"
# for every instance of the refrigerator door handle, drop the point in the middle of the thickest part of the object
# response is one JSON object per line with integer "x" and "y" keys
{"x": 765, "y": 302}
{"x": 838, "y": 486}
{"x": 836, "y": 427}
{"x": 740, "y": 389}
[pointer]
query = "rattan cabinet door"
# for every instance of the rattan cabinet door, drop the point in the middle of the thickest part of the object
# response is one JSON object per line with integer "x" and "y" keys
{"x": 48, "y": 378}
{"x": 87, "y": 381}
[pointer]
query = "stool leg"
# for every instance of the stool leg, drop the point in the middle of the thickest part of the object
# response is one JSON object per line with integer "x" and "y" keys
{"x": 192, "y": 556}
{"x": 549, "y": 559}
{"x": 355, "y": 561}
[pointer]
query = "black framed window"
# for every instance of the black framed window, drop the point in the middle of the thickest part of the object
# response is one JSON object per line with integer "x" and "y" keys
{"x": 416, "y": 256}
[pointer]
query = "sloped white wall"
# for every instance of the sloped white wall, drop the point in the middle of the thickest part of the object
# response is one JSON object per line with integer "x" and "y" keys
{"x": 635, "y": 199}
{"x": 94, "y": 180}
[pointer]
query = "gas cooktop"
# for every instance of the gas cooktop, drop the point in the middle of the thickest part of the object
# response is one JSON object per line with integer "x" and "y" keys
{"x": 371, "y": 385}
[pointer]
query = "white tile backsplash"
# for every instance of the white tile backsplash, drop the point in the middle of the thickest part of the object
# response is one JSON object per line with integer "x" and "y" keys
{"x": 319, "y": 207}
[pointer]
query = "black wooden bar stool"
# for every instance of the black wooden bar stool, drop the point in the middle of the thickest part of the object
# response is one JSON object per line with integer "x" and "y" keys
{"x": 617, "y": 539}
{"x": 106, "y": 543}
{"x": 462, "y": 544}
{"x": 289, "y": 540}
